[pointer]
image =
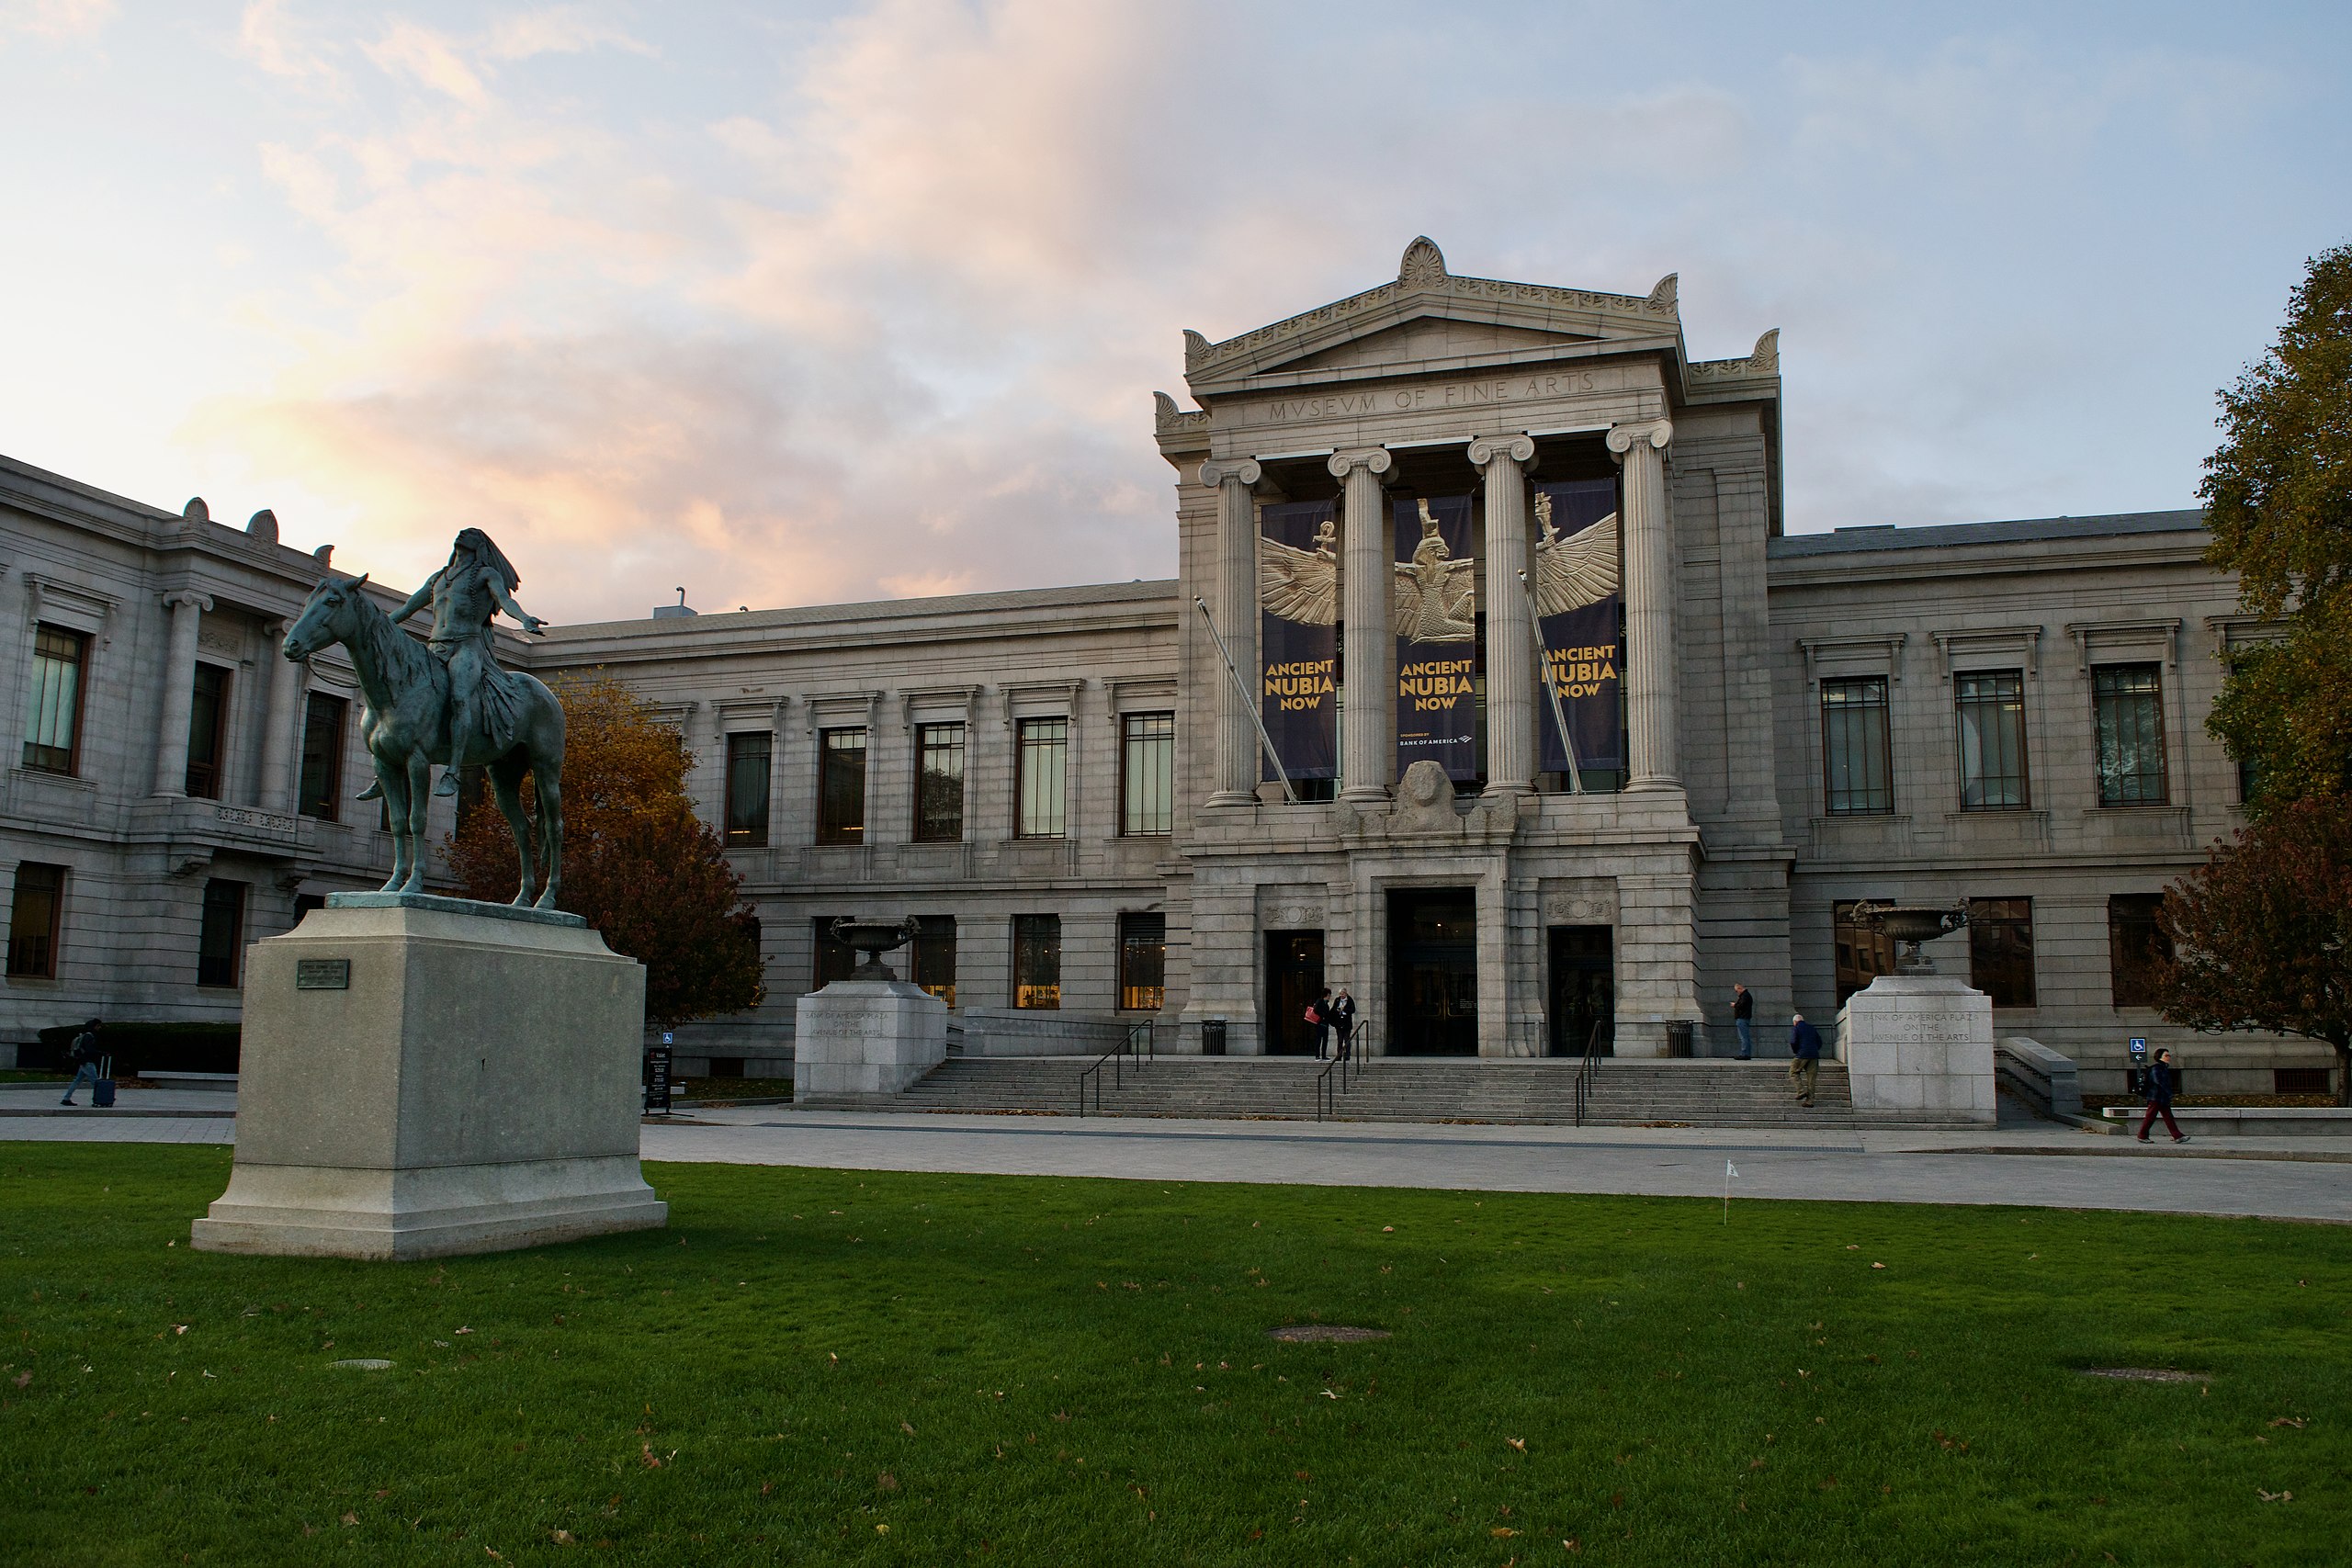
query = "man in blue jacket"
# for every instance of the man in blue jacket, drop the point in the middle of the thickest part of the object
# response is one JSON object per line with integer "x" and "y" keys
{"x": 2160, "y": 1098}
{"x": 1804, "y": 1056}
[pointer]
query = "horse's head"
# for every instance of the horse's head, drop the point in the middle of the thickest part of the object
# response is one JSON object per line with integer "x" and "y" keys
{"x": 328, "y": 617}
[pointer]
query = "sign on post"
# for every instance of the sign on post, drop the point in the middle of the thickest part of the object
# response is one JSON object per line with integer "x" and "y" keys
{"x": 657, "y": 1078}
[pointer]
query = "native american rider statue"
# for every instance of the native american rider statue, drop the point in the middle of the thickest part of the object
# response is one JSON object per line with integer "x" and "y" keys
{"x": 485, "y": 701}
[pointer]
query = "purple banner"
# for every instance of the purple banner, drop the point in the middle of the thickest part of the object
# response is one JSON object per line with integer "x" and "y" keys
{"x": 1578, "y": 605}
{"x": 1435, "y": 613}
{"x": 1298, "y": 614}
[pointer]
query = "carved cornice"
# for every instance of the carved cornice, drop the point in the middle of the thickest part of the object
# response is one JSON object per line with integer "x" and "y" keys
{"x": 1657, "y": 432}
{"x": 1422, "y": 272}
{"x": 1169, "y": 421}
{"x": 1982, "y": 641}
{"x": 1763, "y": 360}
{"x": 1485, "y": 449}
{"x": 1246, "y": 472}
{"x": 1375, "y": 458}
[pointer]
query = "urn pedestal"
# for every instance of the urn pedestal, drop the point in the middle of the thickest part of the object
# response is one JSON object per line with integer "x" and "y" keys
{"x": 1918, "y": 1048}
{"x": 421, "y": 1076}
{"x": 857, "y": 1038}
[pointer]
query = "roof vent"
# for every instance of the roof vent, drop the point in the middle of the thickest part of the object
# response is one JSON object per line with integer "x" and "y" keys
{"x": 664, "y": 611}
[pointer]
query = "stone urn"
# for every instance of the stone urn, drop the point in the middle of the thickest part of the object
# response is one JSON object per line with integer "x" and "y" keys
{"x": 1911, "y": 924}
{"x": 871, "y": 939}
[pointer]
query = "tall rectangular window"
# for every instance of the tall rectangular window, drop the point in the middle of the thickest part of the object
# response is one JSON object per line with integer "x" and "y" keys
{"x": 1858, "y": 769}
{"x": 207, "y": 719}
{"x": 931, "y": 965}
{"x": 1037, "y": 961}
{"x": 53, "y": 727}
{"x": 33, "y": 919}
{"x": 1147, "y": 774}
{"x": 2126, "y": 701}
{"x": 840, "y": 786}
{"x": 1991, "y": 705}
{"x": 1864, "y": 952}
{"x": 939, "y": 783}
{"x": 220, "y": 944}
{"x": 2136, "y": 946}
{"x": 747, "y": 789}
{"x": 1143, "y": 962}
{"x": 322, "y": 791}
{"x": 1041, "y": 785}
{"x": 2000, "y": 950}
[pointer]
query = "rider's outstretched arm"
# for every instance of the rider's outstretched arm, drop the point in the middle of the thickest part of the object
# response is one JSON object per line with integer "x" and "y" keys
{"x": 418, "y": 599}
{"x": 507, "y": 602}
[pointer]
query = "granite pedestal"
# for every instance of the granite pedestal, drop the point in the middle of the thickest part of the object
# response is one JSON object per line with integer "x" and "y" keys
{"x": 864, "y": 1037}
{"x": 1918, "y": 1048}
{"x": 423, "y": 1076}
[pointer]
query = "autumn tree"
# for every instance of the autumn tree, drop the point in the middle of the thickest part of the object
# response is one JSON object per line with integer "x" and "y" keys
{"x": 2262, "y": 932}
{"x": 2278, "y": 498}
{"x": 638, "y": 864}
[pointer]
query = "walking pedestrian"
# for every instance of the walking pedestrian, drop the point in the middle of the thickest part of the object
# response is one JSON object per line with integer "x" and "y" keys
{"x": 1804, "y": 1056}
{"x": 1342, "y": 1013}
{"x": 1319, "y": 1015}
{"x": 83, "y": 1053}
{"x": 2160, "y": 1087}
{"x": 1743, "y": 1018}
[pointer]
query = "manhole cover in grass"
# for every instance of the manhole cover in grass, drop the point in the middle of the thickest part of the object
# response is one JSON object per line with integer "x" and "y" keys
{"x": 2145, "y": 1374}
{"x": 1323, "y": 1334}
{"x": 362, "y": 1364}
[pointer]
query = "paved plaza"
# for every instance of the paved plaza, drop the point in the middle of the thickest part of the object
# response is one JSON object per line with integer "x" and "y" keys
{"x": 2022, "y": 1162}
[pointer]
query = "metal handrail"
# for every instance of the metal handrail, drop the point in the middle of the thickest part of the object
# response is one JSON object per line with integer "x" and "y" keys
{"x": 1333, "y": 1080}
{"x": 1588, "y": 1070}
{"x": 1144, "y": 1054}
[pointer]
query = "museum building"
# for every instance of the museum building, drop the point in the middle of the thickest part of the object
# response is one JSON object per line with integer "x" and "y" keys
{"x": 1628, "y": 739}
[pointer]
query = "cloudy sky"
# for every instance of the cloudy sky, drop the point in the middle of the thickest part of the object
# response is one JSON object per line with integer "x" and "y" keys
{"x": 792, "y": 303}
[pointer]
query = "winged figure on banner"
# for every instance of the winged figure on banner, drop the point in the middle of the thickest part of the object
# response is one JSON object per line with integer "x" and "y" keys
{"x": 1301, "y": 585}
{"x": 1577, "y": 570}
{"x": 1436, "y": 594}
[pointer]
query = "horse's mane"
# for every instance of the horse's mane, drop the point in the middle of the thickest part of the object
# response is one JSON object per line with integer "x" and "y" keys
{"x": 393, "y": 650}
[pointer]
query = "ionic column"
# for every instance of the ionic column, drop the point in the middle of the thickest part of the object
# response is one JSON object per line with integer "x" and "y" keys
{"x": 179, "y": 691}
{"x": 1237, "y": 618}
{"x": 1649, "y": 605}
{"x": 1510, "y": 641}
{"x": 1367, "y": 585}
{"x": 278, "y": 786}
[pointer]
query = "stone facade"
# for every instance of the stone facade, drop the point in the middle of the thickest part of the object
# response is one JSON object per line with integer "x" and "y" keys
{"x": 1719, "y": 857}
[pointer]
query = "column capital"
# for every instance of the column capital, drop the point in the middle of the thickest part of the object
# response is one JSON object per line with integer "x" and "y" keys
{"x": 1222, "y": 470}
{"x": 1372, "y": 459}
{"x": 1485, "y": 449}
{"x": 1622, "y": 438}
{"x": 179, "y": 596}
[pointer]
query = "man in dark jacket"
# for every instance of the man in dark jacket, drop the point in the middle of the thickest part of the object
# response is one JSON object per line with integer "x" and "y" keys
{"x": 2160, "y": 1098}
{"x": 1342, "y": 1014}
{"x": 1743, "y": 1016}
{"x": 84, "y": 1054}
{"x": 1318, "y": 1017}
{"x": 1804, "y": 1056}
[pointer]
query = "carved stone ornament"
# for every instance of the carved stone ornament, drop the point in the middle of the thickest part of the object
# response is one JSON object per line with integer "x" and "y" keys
{"x": 1425, "y": 801}
{"x": 1423, "y": 266}
{"x": 1577, "y": 910}
{"x": 1293, "y": 918}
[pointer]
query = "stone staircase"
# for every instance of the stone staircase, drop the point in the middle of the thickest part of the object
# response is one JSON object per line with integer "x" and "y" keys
{"x": 1626, "y": 1091}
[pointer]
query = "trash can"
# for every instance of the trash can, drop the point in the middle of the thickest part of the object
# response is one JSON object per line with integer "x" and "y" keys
{"x": 1213, "y": 1037}
{"x": 1678, "y": 1038}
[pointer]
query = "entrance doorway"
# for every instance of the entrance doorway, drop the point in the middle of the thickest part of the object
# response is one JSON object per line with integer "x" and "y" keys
{"x": 1584, "y": 991}
{"x": 1432, "y": 972}
{"x": 1293, "y": 979}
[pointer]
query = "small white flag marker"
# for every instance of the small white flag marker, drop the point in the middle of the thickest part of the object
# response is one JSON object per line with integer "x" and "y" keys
{"x": 1730, "y": 1171}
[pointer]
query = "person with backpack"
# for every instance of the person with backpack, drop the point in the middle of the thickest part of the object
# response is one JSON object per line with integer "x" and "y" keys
{"x": 84, "y": 1054}
{"x": 2159, "y": 1092}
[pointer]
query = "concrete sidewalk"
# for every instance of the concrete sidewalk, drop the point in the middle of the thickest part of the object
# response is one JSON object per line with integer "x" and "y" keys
{"x": 2035, "y": 1164}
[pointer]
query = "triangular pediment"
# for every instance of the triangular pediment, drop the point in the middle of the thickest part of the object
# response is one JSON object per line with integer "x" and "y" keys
{"x": 1430, "y": 315}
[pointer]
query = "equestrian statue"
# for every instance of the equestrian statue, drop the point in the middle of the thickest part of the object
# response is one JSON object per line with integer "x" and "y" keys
{"x": 447, "y": 701}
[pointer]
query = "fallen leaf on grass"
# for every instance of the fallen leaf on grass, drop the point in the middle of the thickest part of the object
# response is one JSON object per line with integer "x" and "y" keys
{"x": 908, "y": 1431}
{"x": 1878, "y": 1265}
{"x": 2295, "y": 1421}
{"x": 1950, "y": 1444}
{"x": 2274, "y": 1496}
{"x": 563, "y": 1538}
{"x": 1573, "y": 1544}
{"x": 1499, "y": 1531}
{"x": 23, "y": 1379}
{"x": 1519, "y": 1443}
{"x": 179, "y": 1328}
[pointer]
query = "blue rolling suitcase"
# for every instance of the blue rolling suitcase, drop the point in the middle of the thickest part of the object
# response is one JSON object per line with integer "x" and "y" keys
{"x": 102, "y": 1091}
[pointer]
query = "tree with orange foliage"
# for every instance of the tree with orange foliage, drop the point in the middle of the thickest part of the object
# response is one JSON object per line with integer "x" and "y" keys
{"x": 638, "y": 864}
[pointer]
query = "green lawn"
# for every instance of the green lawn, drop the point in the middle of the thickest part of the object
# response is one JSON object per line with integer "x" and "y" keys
{"x": 821, "y": 1367}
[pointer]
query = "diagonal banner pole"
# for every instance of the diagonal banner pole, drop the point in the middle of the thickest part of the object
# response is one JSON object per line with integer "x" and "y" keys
{"x": 1248, "y": 706}
{"x": 1552, "y": 690}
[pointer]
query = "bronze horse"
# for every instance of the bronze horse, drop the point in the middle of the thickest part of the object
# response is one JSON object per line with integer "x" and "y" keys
{"x": 406, "y": 726}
